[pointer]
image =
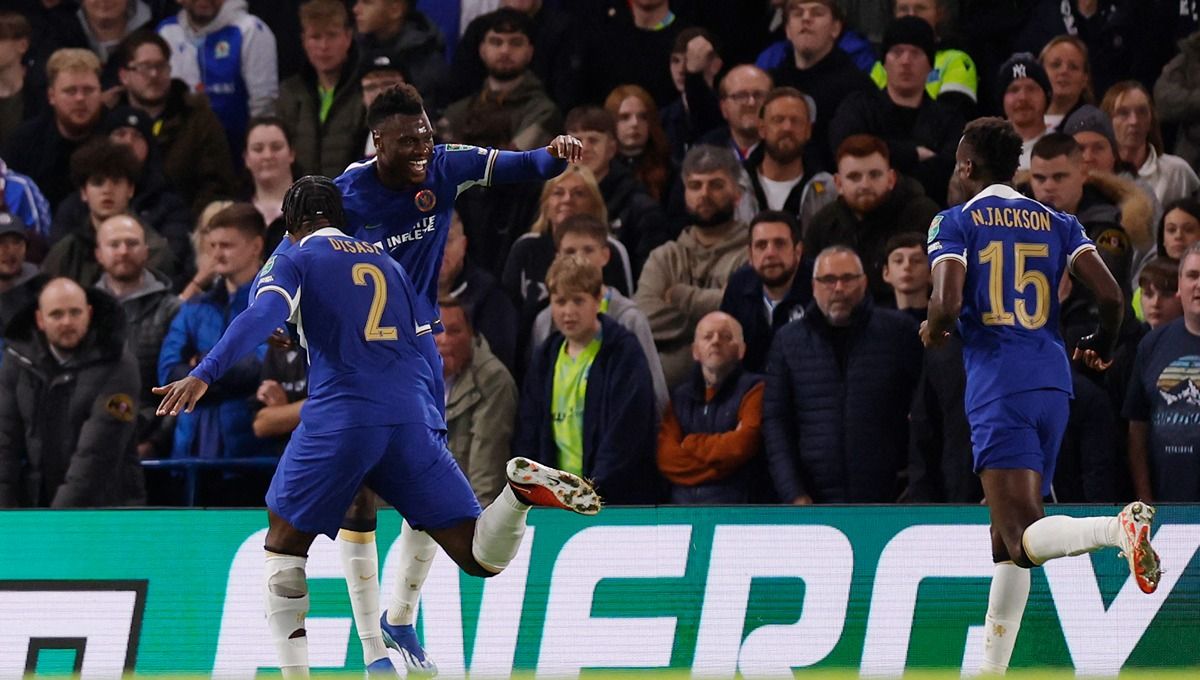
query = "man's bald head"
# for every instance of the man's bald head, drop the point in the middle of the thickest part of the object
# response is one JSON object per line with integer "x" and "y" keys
{"x": 718, "y": 345}
{"x": 63, "y": 314}
{"x": 719, "y": 320}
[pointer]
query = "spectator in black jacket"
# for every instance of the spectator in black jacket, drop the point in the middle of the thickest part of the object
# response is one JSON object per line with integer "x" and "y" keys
{"x": 941, "y": 468}
{"x": 106, "y": 174}
{"x": 839, "y": 384}
{"x": 694, "y": 68}
{"x": 397, "y": 27}
{"x": 42, "y": 146}
{"x": 1086, "y": 471}
{"x": 19, "y": 280}
{"x": 68, "y": 404}
{"x": 154, "y": 201}
{"x": 906, "y": 270}
{"x": 637, "y": 220}
{"x": 874, "y": 203}
{"x": 631, "y": 45}
{"x": 557, "y": 61}
{"x": 921, "y": 133}
{"x": 817, "y": 67}
{"x": 22, "y": 100}
{"x": 149, "y": 306}
{"x": 771, "y": 289}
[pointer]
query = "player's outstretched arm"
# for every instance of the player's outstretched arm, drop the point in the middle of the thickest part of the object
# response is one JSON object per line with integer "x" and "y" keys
{"x": 1096, "y": 349}
{"x": 247, "y": 331}
{"x": 945, "y": 303}
{"x": 543, "y": 163}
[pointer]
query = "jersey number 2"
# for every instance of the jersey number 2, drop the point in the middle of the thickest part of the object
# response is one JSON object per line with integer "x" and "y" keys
{"x": 993, "y": 255}
{"x": 373, "y": 331}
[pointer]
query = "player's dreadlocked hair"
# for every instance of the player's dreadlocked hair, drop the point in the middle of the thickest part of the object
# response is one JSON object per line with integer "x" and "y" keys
{"x": 995, "y": 146}
{"x": 401, "y": 100}
{"x": 308, "y": 198}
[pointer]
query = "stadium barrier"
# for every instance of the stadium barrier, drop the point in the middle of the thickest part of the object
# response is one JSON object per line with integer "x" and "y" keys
{"x": 760, "y": 590}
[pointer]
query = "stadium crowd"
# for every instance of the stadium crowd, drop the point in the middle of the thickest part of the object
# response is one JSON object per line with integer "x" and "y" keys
{"x": 718, "y": 304}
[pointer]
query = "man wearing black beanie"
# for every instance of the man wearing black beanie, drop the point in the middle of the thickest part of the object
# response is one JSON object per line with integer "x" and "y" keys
{"x": 922, "y": 135}
{"x": 1024, "y": 92}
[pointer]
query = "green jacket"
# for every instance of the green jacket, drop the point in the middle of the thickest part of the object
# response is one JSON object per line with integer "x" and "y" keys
{"x": 481, "y": 408}
{"x": 324, "y": 148}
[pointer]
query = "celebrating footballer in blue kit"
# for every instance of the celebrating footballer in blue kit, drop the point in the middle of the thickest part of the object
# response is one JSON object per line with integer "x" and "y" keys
{"x": 401, "y": 200}
{"x": 996, "y": 262}
{"x": 372, "y": 415}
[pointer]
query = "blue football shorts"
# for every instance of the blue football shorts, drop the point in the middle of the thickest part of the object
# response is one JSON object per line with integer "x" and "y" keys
{"x": 1021, "y": 431}
{"x": 408, "y": 465}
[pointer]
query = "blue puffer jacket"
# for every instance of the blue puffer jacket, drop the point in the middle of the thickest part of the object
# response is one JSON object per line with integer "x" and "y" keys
{"x": 221, "y": 425}
{"x": 841, "y": 436}
{"x": 618, "y": 419}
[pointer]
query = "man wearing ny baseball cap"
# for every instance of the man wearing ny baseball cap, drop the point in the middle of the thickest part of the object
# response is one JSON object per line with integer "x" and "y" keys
{"x": 1024, "y": 92}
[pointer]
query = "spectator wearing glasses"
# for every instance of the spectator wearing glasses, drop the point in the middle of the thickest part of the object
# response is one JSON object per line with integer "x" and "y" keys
{"x": 741, "y": 93}
{"x": 195, "y": 154}
{"x": 839, "y": 384}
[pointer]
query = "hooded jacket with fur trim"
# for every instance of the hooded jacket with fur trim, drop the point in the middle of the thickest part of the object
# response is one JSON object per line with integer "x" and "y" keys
{"x": 66, "y": 430}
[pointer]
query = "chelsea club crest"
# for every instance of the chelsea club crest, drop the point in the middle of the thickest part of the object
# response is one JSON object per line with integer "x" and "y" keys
{"x": 425, "y": 200}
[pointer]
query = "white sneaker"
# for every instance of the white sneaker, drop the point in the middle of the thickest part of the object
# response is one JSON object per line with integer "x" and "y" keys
{"x": 1136, "y": 520}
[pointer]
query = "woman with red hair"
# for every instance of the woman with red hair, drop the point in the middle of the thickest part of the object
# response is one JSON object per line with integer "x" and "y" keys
{"x": 642, "y": 143}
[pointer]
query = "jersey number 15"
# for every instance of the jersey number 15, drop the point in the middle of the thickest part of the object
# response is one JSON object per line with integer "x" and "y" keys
{"x": 373, "y": 331}
{"x": 993, "y": 256}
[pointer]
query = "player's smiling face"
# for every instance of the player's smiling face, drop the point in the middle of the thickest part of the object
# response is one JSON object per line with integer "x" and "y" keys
{"x": 404, "y": 145}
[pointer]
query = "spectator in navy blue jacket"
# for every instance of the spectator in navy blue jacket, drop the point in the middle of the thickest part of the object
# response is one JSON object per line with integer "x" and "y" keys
{"x": 711, "y": 436}
{"x": 839, "y": 383}
{"x": 588, "y": 405}
{"x": 771, "y": 289}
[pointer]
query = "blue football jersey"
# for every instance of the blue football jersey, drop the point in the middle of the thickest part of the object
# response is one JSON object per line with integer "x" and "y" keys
{"x": 412, "y": 225}
{"x": 1016, "y": 251}
{"x": 372, "y": 360}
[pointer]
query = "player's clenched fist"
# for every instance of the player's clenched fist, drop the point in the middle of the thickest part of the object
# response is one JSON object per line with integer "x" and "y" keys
{"x": 931, "y": 339}
{"x": 566, "y": 147}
